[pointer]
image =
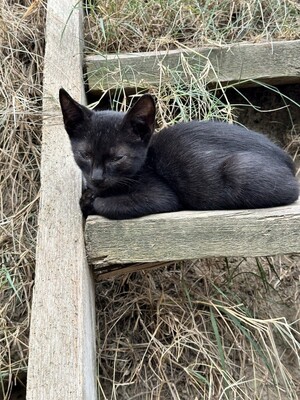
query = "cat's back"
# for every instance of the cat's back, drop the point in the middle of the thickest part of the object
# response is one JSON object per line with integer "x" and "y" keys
{"x": 214, "y": 165}
{"x": 212, "y": 134}
{"x": 207, "y": 139}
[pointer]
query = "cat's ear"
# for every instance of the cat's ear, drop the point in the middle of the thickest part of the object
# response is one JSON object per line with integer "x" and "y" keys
{"x": 142, "y": 117}
{"x": 73, "y": 113}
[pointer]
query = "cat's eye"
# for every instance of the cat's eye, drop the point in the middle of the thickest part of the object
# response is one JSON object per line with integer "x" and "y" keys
{"x": 117, "y": 158}
{"x": 85, "y": 155}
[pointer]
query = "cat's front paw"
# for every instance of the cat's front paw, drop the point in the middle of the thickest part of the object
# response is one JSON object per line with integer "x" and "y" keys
{"x": 86, "y": 202}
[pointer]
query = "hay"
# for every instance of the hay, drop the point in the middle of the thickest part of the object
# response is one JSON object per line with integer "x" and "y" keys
{"x": 130, "y": 26}
{"x": 210, "y": 329}
{"x": 21, "y": 66}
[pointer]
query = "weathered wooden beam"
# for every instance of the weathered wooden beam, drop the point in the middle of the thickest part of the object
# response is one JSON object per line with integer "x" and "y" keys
{"x": 275, "y": 63}
{"x": 192, "y": 234}
{"x": 62, "y": 342}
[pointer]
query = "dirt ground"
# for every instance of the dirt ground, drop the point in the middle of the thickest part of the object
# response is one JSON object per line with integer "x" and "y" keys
{"x": 275, "y": 115}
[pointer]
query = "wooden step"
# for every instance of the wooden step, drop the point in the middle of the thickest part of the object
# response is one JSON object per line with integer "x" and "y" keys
{"x": 183, "y": 235}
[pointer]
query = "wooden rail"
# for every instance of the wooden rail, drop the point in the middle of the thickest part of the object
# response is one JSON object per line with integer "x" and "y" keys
{"x": 189, "y": 235}
{"x": 62, "y": 331}
{"x": 275, "y": 63}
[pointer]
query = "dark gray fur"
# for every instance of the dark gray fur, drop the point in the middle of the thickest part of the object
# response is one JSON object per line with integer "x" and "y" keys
{"x": 131, "y": 172}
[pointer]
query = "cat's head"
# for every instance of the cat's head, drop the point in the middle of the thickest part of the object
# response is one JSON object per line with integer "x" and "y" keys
{"x": 109, "y": 147}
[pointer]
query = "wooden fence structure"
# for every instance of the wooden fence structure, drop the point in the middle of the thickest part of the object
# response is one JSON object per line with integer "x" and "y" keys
{"x": 62, "y": 334}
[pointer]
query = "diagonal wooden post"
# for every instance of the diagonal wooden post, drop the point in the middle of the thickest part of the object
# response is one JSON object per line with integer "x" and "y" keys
{"x": 62, "y": 333}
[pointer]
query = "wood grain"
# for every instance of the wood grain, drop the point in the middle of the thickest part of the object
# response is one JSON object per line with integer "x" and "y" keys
{"x": 276, "y": 63}
{"x": 62, "y": 332}
{"x": 192, "y": 234}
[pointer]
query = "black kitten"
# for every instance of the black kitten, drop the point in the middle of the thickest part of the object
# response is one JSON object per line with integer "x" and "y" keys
{"x": 111, "y": 150}
{"x": 194, "y": 166}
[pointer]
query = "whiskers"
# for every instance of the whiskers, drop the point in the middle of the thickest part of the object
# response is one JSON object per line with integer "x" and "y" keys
{"x": 113, "y": 185}
{"x": 125, "y": 181}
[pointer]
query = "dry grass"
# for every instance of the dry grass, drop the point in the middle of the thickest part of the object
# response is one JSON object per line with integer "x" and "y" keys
{"x": 21, "y": 46}
{"x": 128, "y": 26}
{"x": 211, "y": 329}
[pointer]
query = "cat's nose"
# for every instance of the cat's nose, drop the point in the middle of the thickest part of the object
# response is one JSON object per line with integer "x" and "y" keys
{"x": 97, "y": 175}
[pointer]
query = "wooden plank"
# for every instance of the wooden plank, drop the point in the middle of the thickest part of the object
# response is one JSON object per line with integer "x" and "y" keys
{"x": 62, "y": 342}
{"x": 276, "y": 63}
{"x": 193, "y": 234}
